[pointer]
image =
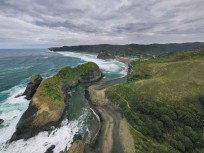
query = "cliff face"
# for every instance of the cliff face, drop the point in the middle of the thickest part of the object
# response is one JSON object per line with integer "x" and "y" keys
{"x": 49, "y": 102}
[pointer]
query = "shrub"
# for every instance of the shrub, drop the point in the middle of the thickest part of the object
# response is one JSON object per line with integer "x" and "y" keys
{"x": 189, "y": 132}
{"x": 167, "y": 121}
{"x": 188, "y": 118}
{"x": 185, "y": 141}
{"x": 164, "y": 149}
{"x": 155, "y": 132}
{"x": 178, "y": 145}
{"x": 201, "y": 100}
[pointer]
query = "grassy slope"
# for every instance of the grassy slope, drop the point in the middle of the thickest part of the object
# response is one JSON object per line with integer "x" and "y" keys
{"x": 163, "y": 100}
{"x": 49, "y": 95}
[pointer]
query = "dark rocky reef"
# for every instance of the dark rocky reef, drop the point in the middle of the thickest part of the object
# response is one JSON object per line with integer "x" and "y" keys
{"x": 1, "y": 121}
{"x": 50, "y": 149}
{"x": 91, "y": 76}
{"x": 105, "y": 55}
{"x": 32, "y": 86}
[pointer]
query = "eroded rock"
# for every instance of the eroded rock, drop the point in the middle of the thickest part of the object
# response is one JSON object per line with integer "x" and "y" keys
{"x": 32, "y": 86}
{"x": 1, "y": 121}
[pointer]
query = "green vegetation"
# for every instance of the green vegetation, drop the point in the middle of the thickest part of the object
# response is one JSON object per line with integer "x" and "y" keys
{"x": 49, "y": 97}
{"x": 50, "y": 91}
{"x": 164, "y": 102}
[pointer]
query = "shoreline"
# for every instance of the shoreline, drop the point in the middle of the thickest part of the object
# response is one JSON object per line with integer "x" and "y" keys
{"x": 106, "y": 139}
{"x": 114, "y": 129}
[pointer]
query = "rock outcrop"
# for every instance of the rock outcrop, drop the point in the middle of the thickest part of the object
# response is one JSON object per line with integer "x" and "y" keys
{"x": 1, "y": 121}
{"x": 32, "y": 86}
{"x": 48, "y": 104}
{"x": 105, "y": 55}
{"x": 91, "y": 76}
{"x": 76, "y": 147}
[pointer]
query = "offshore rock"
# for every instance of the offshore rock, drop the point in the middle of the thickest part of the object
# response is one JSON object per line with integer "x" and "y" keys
{"x": 32, "y": 86}
{"x": 91, "y": 76}
{"x": 105, "y": 55}
{"x": 1, "y": 121}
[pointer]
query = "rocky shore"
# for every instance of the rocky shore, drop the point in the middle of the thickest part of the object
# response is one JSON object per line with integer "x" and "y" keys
{"x": 52, "y": 96}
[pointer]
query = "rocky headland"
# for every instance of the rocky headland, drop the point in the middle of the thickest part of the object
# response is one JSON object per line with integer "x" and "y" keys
{"x": 52, "y": 96}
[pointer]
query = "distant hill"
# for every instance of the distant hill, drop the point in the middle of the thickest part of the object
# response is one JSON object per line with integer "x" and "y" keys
{"x": 132, "y": 49}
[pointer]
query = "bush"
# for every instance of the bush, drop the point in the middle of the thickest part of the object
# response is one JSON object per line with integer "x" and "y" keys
{"x": 185, "y": 141}
{"x": 164, "y": 149}
{"x": 167, "y": 121}
{"x": 187, "y": 117}
{"x": 189, "y": 132}
{"x": 177, "y": 145}
{"x": 155, "y": 132}
{"x": 201, "y": 100}
{"x": 135, "y": 77}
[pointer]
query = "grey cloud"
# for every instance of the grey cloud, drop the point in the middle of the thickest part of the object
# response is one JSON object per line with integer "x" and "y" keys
{"x": 66, "y": 22}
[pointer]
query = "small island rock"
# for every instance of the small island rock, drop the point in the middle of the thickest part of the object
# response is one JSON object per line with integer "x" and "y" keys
{"x": 105, "y": 55}
{"x": 32, "y": 86}
{"x": 1, "y": 121}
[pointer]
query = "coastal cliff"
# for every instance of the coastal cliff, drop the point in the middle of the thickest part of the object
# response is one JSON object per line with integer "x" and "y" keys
{"x": 51, "y": 98}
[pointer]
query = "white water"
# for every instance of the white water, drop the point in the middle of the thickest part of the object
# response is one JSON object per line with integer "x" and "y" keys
{"x": 107, "y": 66}
{"x": 60, "y": 137}
{"x": 12, "y": 109}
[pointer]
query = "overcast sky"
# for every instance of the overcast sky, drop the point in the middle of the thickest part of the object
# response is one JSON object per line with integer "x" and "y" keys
{"x": 46, "y": 23}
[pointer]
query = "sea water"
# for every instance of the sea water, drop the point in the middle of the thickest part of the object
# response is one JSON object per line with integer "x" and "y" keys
{"x": 16, "y": 68}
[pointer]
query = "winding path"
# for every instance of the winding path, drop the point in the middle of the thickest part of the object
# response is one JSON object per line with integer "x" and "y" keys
{"x": 109, "y": 139}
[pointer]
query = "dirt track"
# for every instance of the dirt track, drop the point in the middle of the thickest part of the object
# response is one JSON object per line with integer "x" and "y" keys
{"x": 109, "y": 139}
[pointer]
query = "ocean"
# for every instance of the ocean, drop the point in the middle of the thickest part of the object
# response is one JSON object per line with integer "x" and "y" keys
{"x": 16, "y": 68}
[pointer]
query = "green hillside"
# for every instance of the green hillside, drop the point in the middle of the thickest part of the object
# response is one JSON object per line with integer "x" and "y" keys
{"x": 164, "y": 103}
{"x": 132, "y": 49}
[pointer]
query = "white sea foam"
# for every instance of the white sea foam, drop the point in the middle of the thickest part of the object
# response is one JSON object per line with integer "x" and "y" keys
{"x": 60, "y": 137}
{"x": 11, "y": 110}
{"x": 107, "y": 66}
{"x": 19, "y": 68}
{"x": 10, "y": 115}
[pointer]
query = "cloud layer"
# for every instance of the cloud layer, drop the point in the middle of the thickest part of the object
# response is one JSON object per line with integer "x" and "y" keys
{"x": 45, "y": 23}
